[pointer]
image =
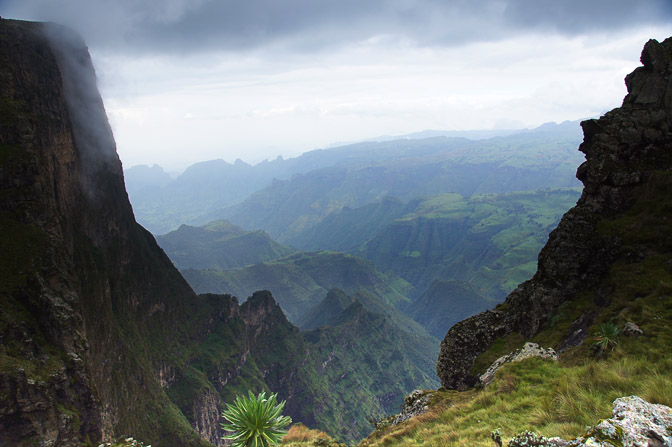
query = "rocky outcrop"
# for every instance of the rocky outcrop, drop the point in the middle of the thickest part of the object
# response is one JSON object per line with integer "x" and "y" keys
{"x": 635, "y": 423}
{"x": 206, "y": 410}
{"x": 415, "y": 404}
{"x": 623, "y": 149}
{"x": 527, "y": 351}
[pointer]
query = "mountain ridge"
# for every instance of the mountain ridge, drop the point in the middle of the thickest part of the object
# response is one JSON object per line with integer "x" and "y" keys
{"x": 194, "y": 197}
{"x": 627, "y": 153}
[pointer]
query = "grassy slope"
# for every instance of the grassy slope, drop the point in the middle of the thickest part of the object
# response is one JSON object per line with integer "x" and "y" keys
{"x": 219, "y": 245}
{"x": 490, "y": 241}
{"x": 561, "y": 399}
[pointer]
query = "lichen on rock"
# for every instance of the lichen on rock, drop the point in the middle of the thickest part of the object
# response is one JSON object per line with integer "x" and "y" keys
{"x": 635, "y": 423}
{"x": 415, "y": 404}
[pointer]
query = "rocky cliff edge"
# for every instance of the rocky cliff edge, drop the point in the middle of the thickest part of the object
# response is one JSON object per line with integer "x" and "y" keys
{"x": 625, "y": 149}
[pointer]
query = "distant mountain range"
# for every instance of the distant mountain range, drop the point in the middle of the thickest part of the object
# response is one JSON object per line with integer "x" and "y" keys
{"x": 325, "y": 180}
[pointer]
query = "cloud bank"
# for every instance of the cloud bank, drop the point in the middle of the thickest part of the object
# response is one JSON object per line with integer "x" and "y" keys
{"x": 175, "y": 26}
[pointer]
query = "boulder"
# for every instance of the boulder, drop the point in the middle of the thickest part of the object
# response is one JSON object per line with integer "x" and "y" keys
{"x": 632, "y": 329}
{"x": 527, "y": 351}
{"x": 635, "y": 423}
{"x": 415, "y": 404}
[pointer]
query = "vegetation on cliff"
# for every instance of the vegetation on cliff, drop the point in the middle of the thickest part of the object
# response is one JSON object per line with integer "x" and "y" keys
{"x": 607, "y": 264}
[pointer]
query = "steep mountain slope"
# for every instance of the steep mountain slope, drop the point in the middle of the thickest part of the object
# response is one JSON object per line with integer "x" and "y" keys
{"x": 82, "y": 282}
{"x": 99, "y": 334}
{"x": 370, "y": 342}
{"x": 219, "y": 245}
{"x": 301, "y": 280}
{"x": 445, "y": 303}
{"x": 626, "y": 176}
{"x": 326, "y": 311}
{"x": 348, "y": 229}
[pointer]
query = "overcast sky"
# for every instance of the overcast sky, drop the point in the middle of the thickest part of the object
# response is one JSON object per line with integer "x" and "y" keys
{"x": 191, "y": 80}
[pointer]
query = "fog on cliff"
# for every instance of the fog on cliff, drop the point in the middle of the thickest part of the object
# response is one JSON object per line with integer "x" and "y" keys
{"x": 190, "y": 80}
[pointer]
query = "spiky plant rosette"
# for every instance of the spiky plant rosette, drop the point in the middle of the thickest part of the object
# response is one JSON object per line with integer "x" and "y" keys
{"x": 255, "y": 421}
{"x": 606, "y": 336}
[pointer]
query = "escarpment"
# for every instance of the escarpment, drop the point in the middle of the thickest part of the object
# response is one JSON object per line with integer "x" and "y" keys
{"x": 88, "y": 299}
{"x": 628, "y": 151}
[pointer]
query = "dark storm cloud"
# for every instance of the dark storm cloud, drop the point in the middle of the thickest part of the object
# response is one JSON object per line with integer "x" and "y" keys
{"x": 305, "y": 25}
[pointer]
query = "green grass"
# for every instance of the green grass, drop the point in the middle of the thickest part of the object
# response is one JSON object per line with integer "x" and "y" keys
{"x": 541, "y": 395}
{"x": 562, "y": 398}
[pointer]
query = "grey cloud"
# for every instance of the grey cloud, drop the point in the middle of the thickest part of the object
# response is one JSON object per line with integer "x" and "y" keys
{"x": 579, "y": 16}
{"x": 176, "y": 26}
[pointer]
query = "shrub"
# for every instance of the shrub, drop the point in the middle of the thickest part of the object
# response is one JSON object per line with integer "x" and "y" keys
{"x": 606, "y": 336}
{"x": 255, "y": 421}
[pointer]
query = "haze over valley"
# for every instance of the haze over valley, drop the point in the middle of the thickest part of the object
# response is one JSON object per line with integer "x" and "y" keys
{"x": 504, "y": 278}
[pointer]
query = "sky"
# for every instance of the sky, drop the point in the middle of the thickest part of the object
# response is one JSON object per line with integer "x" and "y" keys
{"x": 192, "y": 80}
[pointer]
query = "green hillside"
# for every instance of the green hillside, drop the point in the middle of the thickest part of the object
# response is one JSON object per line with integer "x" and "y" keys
{"x": 326, "y": 311}
{"x": 302, "y": 280}
{"x": 348, "y": 229}
{"x": 490, "y": 241}
{"x": 325, "y": 382}
{"x": 219, "y": 245}
{"x": 376, "y": 350}
{"x": 444, "y": 303}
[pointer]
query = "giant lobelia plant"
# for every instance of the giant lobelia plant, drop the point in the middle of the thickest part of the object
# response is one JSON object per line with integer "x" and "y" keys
{"x": 255, "y": 421}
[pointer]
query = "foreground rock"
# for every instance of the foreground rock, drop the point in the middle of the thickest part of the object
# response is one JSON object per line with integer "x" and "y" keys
{"x": 526, "y": 352}
{"x": 416, "y": 403}
{"x": 635, "y": 423}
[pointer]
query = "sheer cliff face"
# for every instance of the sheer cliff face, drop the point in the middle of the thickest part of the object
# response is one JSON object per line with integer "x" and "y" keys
{"x": 624, "y": 149}
{"x": 81, "y": 284}
{"x": 44, "y": 377}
